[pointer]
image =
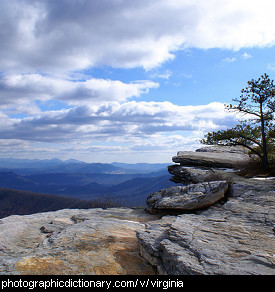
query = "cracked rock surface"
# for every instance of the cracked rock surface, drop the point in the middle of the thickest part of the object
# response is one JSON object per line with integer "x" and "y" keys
{"x": 234, "y": 238}
{"x": 66, "y": 242}
{"x": 191, "y": 197}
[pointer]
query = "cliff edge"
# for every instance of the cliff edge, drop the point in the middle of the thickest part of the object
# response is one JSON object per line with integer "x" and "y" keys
{"x": 215, "y": 223}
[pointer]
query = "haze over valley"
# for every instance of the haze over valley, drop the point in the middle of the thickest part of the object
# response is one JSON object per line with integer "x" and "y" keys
{"x": 117, "y": 183}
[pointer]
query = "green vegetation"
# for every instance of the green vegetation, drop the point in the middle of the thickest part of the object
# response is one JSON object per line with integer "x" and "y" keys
{"x": 257, "y": 132}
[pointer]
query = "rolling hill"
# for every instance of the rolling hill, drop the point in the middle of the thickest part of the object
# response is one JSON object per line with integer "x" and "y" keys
{"x": 14, "y": 202}
{"x": 129, "y": 184}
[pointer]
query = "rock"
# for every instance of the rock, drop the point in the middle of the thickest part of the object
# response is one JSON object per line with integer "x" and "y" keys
{"x": 189, "y": 175}
{"x": 217, "y": 159}
{"x": 207, "y": 164}
{"x": 66, "y": 242}
{"x": 228, "y": 149}
{"x": 191, "y": 197}
{"x": 240, "y": 186}
{"x": 234, "y": 238}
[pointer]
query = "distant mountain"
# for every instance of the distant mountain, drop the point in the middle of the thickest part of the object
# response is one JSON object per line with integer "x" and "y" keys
{"x": 71, "y": 160}
{"x": 129, "y": 183}
{"x": 91, "y": 191}
{"x": 85, "y": 168}
{"x": 142, "y": 167}
{"x": 78, "y": 179}
{"x": 28, "y": 167}
{"x": 131, "y": 191}
{"x": 11, "y": 163}
{"x": 134, "y": 192}
{"x": 35, "y": 166}
{"x": 13, "y": 180}
{"x": 14, "y": 202}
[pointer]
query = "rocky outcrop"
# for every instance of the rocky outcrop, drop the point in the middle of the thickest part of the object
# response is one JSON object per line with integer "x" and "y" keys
{"x": 66, "y": 242}
{"x": 191, "y": 197}
{"x": 234, "y": 238}
{"x": 227, "y": 149}
{"x": 218, "y": 156}
{"x": 186, "y": 175}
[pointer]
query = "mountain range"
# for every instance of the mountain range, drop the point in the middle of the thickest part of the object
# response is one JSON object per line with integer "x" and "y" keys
{"x": 36, "y": 166}
{"x": 126, "y": 184}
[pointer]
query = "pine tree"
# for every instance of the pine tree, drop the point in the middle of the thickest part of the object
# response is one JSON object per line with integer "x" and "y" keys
{"x": 257, "y": 133}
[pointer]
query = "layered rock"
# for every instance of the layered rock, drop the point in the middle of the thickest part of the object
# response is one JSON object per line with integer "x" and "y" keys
{"x": 228, "y": 149}
{"x": 191, "y": 197}
{"x": 221, "y": 157}
{"x": 187, "y": 175}
{"x": 95, "y": 241}
{"x": 234, "y": 238}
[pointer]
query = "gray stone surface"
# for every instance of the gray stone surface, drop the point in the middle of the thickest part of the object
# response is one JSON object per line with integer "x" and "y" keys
{"x": 234, "y": 238}
{"x": 191, "y": 197}
{"x": 192, "y": 175}
{"x": 66, "y": 242}
{"x": 222, "y": 159}
{"x": 229, "y": 149}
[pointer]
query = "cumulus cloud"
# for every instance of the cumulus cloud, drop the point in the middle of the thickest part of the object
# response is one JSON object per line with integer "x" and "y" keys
{"x": 117, "y": 122}
{"x": 21, "y": 89}
{"x": 101, "y": 133}
{"x": 46, "y": 35}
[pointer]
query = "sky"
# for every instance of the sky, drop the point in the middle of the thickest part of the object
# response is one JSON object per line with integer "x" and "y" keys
{"x": 125, "y": 81}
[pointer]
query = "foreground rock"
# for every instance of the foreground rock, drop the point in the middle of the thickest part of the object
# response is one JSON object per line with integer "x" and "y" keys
{"x": 221, "y": 157}
{"x": 234, "y": 238}
{"x": 191, "y": 197}
{"x": 66, "y": 242}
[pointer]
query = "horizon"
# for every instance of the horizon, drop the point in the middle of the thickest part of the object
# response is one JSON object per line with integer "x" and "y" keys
{"x": 128, "y": 81}
{"x": 80, "y": 161}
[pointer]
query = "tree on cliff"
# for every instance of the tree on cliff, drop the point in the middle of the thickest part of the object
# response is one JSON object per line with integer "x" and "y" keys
{"x": 257, "y": 133}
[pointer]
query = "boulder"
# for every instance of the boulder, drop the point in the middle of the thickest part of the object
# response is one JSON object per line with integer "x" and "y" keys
{"x": 234, "y": 238}
{"x": 191, "y": 197}
{"x": 73, "y": 242}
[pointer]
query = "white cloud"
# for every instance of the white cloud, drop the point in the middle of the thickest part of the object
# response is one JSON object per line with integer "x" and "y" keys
{"x": 230, "y": 60}
{"x": 271, "y": 67}
{"x": 21, "y": 90}
{"x": 162, "y": 75}
{"x": 117, "y": 122}
{"x": 101, "y": 133}
{"x": 62, "y": 36}
{"x": 246, "y": 56}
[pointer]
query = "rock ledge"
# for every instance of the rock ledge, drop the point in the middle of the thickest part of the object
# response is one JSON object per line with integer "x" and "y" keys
{"x": 73, "y": 242}
{"x": 234, "y": 238}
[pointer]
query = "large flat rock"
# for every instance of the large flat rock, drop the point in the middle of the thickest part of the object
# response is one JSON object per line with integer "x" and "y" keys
{"x": 66, "y": 242}
{"x": 217, "y": 159}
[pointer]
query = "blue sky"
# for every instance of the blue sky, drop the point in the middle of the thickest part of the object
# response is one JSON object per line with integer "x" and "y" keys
{"x": 125, "y": 81}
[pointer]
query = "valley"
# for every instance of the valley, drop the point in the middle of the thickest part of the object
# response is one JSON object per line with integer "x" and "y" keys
{"x": 119, "y": 184}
